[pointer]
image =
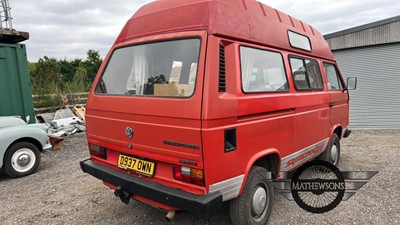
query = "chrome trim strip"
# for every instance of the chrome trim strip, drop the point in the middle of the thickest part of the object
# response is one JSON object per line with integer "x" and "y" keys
{"x": 47, "y": 147}
{"x": 228, "y": 188}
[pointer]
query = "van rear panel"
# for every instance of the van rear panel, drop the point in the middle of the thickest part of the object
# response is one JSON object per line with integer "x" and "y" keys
{"x": 146, "y": 109}
{"x": 150, "y": 137}
{"x": 153, "y": 141}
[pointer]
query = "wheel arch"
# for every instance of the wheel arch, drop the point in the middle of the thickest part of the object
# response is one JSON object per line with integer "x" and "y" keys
{"x": 6, "y": 163}
{"x": 24, "y": 139}
{"x": 269, "y": 159}
{"x": 337, "y": 129}
{"x": 29, "y": 140}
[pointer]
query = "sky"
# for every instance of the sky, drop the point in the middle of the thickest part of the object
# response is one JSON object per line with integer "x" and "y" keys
{"x": 67, "y": 29}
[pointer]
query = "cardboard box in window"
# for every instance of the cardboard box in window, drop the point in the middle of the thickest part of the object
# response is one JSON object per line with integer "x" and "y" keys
{"x": 173, "y": 89}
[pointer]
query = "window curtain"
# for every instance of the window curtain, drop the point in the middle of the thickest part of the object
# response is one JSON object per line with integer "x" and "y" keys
{"x": 137, "y": 76}
{"x": 248, "y": 59}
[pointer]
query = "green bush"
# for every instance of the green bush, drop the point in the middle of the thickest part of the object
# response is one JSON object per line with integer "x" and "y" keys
{"x": 53, "y": 79}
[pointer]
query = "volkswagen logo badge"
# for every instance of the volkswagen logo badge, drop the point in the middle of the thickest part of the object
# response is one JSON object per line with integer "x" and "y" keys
{"x": 129, "y": 132}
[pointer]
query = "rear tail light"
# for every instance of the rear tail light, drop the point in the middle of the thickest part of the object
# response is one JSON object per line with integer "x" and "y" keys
{"x": 98, "y": 151}
{"x": 188, "y": 175}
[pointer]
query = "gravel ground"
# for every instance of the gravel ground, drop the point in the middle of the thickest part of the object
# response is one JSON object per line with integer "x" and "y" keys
{"x": 59, "y": 193}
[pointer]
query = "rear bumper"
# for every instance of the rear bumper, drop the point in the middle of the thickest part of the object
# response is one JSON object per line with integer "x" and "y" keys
{"x": 47, "y": 147}
{"x": 202, "y": 205}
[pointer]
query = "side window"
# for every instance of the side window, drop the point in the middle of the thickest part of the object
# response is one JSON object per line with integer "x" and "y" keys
{"x": 332, "y": 77}
{"x": 262, "y": 71}
{"x": 306, "y": 74}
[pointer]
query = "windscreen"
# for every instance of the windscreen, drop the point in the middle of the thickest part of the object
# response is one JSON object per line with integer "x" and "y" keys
{"x": 167, "y": 68}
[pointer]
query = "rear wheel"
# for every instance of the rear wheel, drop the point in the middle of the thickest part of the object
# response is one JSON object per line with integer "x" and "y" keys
{"x": 21, "y": 159}
{"x": 332, "y": 152}
{"x": 255, "y": 204}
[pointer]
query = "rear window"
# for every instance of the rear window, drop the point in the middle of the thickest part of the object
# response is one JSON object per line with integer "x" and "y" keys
{"x": 166, "y": 68}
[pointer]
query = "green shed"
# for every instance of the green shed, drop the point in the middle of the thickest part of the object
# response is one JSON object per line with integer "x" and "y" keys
{"x": 15, "y": 88}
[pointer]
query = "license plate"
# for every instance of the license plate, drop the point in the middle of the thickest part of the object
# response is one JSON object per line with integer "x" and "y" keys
{"x": 138, "y": 165}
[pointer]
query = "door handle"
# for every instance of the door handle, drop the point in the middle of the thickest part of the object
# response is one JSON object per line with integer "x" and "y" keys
{"x": 331, "y": 104}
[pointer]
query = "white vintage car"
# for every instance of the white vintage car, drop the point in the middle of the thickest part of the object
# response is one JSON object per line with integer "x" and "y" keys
{"x": 20, "y": 146}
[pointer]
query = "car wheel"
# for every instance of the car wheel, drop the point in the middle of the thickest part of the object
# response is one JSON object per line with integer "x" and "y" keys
{"x": 21, "y": 159}
{"x": 255, "y": 204}
{"x": 332, "y": 152}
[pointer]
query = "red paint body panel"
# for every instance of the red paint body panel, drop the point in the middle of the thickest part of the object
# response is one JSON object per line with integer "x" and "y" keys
{"x": 280, "y": 123}
{"x": 236, "y": 19}
{"x": 153, "y": 119}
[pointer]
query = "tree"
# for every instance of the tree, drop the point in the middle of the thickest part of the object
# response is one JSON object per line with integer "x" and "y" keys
{"x": 45, "y": 80}
{"x": 45, "y": 76}
{"x": 92, "y": 64}
{"x": 68, "y": 68}
{"x": 32, "y": 67}
{"x": 80, "y": 78}
{"x": 50, "y": 76}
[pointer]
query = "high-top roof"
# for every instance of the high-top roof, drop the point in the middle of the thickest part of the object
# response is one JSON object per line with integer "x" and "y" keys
{"x": 238, "y": 19}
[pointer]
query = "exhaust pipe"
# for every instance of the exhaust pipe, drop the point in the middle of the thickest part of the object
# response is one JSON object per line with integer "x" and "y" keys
{"x": 123, "y": 195}
{"x": 170, "y": 215}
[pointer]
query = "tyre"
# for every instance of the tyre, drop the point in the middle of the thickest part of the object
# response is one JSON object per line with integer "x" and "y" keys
{"x": 332, "y": 152}
{"x": 21, "y": 159}
{"x": 254, "y": 206}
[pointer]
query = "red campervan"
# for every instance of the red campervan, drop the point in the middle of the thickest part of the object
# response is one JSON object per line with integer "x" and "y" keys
{"x": 197, "y": 99}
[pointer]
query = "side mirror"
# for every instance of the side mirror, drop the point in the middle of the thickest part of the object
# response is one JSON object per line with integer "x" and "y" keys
{"x": 351, "y": 83}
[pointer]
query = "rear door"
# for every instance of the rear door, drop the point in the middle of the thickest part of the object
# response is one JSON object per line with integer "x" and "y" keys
{"x": 147, "y": 103}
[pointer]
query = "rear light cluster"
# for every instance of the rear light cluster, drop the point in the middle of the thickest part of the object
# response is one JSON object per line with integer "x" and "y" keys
{"x": 188, "y": 175}
{"x": 98, "y": 151}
